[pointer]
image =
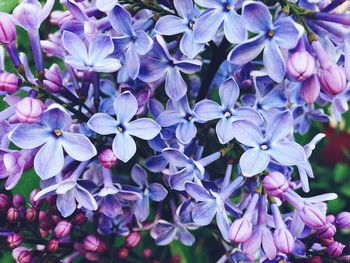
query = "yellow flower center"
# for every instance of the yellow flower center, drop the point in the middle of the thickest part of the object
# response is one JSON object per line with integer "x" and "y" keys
{"x": 58, "y": 132}
{"x": 270, "y": 33}
{"x": 263, "y": 147}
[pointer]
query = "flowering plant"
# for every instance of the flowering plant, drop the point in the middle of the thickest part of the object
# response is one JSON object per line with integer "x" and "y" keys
{"x": 149, "y": 121}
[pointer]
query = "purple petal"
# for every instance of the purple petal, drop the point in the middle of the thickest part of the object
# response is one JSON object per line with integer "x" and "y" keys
{"x": 186, "y": 237}
{"x": 247, "y": 133}
{"x": 125, "y": 106}
{"x": 110, "y": 206}
{"x": 286, "y": 33}
{"x": 186, "y": 131}
{"x": 75, "y": 46}
{"x": 85, "y": 199}
{"x": 124, "y": 147}
{"x": 175, "y": 157}
{"x": 256, "y": 17}
{"x": 280, "y": 125}
{"x": 170, "y": 25}
{"x": 169, "y": 118}
{"x": 55, "y": 118}
{"x": 29, "y": 136}
{"x": 120, "y": 20}
{"x": 100, "y": 47}
{"x": 273, "y": 61}
{"x": 234, "y": 31}
{"x": 107, "y": 65}
{"x": 275, "y": 98}
{"x": 132, "y": 62}
{"x": 156, "y": 163}
{"x": 121, "y": 43}
{"x": 189, "y": 46}
{"x": 143, "y": 43}
{"x": 254, "y": 161}
{"x": 103, "y": 123}
{"x": 268, "y": 244}
{"x": 143, "y": 128}
{"x": 78, "y": 146}
{"x": 198, "y": 192}
{"x": 184, "y": 8}
{"x": 229, "y": 92}
{"x": 188, "y": 66}
{"x": 247, "y": 113}
{"x": 204, "y": 212}
{"x": 76, "y": 11}
{"x": 224, "y": 130}
{"x": 142, "y": 209}
{"x": 179, "y": 179}
{"x": 175, "y": 86}
{"x": 210, "y": 3}
{"x": 105, "y": 5}
{"x": 66, "y": 204}
{"x": 157, "y": 192}
{"x": 287, "y": 153}
{"x": 152, "y": 70}
{"x": 207, "y": 110}
{"x": 166, "y": 236}
{"x": 223, "y": 224}
{"x": 139, "y": 175}
{"x": 207, "y": 25}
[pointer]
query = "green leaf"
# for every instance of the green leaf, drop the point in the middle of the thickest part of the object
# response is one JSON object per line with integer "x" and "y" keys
{"x": 28, "y": 182}
{"x": 177, "y": 249}
{"x": 8, "y": 5}
{"x": 341, "y": 172}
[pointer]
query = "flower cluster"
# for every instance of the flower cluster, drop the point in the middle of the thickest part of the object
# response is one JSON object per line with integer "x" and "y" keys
{"x": 160, "y": 116}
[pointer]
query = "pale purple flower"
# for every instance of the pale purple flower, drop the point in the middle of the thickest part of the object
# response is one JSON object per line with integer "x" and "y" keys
{"x": 53, "y": 136}
{"x": 106, "y": 5}
{"x": 272, "y": 36}
{"x": 125, "y": 107}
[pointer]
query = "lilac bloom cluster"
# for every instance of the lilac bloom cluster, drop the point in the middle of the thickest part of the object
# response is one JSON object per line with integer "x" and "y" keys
{"x": 148, "y": 97}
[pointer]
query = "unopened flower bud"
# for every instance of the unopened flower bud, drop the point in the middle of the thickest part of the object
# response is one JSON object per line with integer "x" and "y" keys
{"x": 132, "y": 240}
{"x": 301, "y": 65}
{"x": 123, "y": 253}
{"x": 310, "y": 89}
{"x": 80, "y": 219}
{"x": 4, "y": 201}
{"x": 8, "y": 82}
{"x": 284, "y": 240}
{"x": 7, "y": 29}
{"x": 333, "y": 80}
{"x": 25, "y": 256}
{"x": 342, "y": 220}
{"x": 53, "y": 80}
{"x": 18, "y": 201}
{"x": 30, "y": 214}
{"x": 147, "y": 253}
{"x": 43, "y": 232}
{"x": 91, "y": 243}
{"x": 29, "y": 110}
{"x": 63, "y": 229}
{"x": 335, "y": 249}
{"x": 107, "y": 158}
{"x": 326, "y": 231}
{"x": 102, "y": 247}
{"x": 275, "y": 184}
{"x": 312, "y": 216}
{"x": 326, "y": 241}
{"x": 14, "y": 240}
{"x": 330, "y": 218}
{"x": 31, "y": 198}
{"x": 53, "y": 245}
{"x": 240, "y": 230}
{"x": 12, "y": 214}
{"x": 315, "y": 259}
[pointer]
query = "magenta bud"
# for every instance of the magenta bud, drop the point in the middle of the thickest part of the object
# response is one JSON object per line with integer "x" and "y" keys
{"x": 31, "y": 198}
{"x": 342, "y": 220}
{"x": 14, "y": 240}
{"x": 91, "y": 243}
{"x": 25, "y": 256}
{"x": 102, "y": 247}
{"x": 275, "y": 184}
{"x": 240, "y": 230}
{"x": 132, "y": 240}
{"x": 18, "y": 201}
{"x": 107, "y": 158}
{"x": 284, "y": 241}
{"x": 53, "y": 80}
{"x": 63, "y": 229}
{"x": 301, "y": 65}
{"x": 12, "y": 214}
{"x": 4, "y": 201}
{"x": 330, "y": 218}
{"x": 123, "y": 253}
{"x": 43, "y": 232}
{"x": 310, "y": 89}
{"x": 7, "y": 30}
{"x": 8, "y": 82}
{"x": 326, "y": 241}
{"x": 53, "y": 245}
{"x": 335, "y": 249}
{"x": 29, "y": 110}
{"x": 30, "y": 214}
{"x": 312, "y": 216}
{"x": 315, "y": 259}
{"x": 333, "y": 80}
{"x": 326, "y": 231}
{"x": 80, "y": 219}
{"x": 147, "y": 253}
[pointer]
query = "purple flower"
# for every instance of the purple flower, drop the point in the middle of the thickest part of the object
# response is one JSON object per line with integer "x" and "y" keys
{"x": 273, "y": 144}
{"x": 207, "y": 110}
{"x": 125, "y": 107}
{"x": 172, "y": 25}
{"x": 95, "y": 58}
{"x": 53, "y": 136}
{"x": 283, "y": 33}
{"x": 130, "y": 42}
{"x": 219, "y": 12}
{"x": 106, "y": 5}
{"x": 158, "y": 64}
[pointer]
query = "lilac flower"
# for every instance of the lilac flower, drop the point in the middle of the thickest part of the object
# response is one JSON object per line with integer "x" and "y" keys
{"x": 207, "y": 110}
{"x": 283, "y": 33}
{"x": 273, "y": 144}
{"x": 132, "y": 43}
{"x": 53, "y": 136}
{"x": 179, "y": 113}
{"x": 172, "y": 25}
{"x": 158, "y": 64}
{"x": 95, "y": 58}
{"x": 154, "y": 191}
{"x": 106, "y": 5}
{"x": 219, "y": 12}
{"x": 125, "y": 107}
{"x": 303, "y": 115}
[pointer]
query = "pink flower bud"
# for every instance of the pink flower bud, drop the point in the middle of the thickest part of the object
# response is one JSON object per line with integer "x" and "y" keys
{"x": 53, "y": 245}
{"x": 12, "y": 214}
{"x": 91, "y": 243}
{"x": 31, "y": 198}
{"x": 53, "y": 80}
{"x": 8, "y": 82}
{"x": 62, "y": 229}
{"x": 80, "y": 219}
{"x": 43, "y": 232}
{"x": 123, "y": 253}
{"x": 107, "y": 158}
{"x": 301, "y": 65}
{"x": 326, "y": 231}
{"x": 25, "y": 256}
{"x": 7, "y": 30}
{"x": 275, "y": 184}
{"x": 335, "y": 249}
{"x": 326, "y": 241}
{"x": 30, "y": 214}
{"x": 102, "y": 247}
{"x": 240, "y": 230}
{"x": 333, "y": 80}
{"x": 18, "y": 201}
{"x": 147, "y": 253}
{"x": 330, "y": 218}
{"x": 132, "y": 240}
{"x": 4, "y": 201}
{"x": 315, "y": 259}
{"x": 29, "y": 110}
{"x": 284, "y": 240}
{"x": 310, "y": 89}
{"x": 312, "y": 216}
{"x": 342, "y": 220}
{"x": 14, "y": 240}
